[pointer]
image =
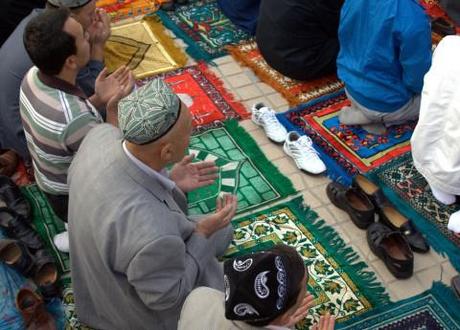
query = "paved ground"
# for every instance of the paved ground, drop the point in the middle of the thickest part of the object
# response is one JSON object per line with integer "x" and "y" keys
{"x": 247, "y": 88}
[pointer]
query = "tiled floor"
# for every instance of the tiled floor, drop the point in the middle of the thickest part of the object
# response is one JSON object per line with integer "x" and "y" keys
{"x": 248, "y": 89}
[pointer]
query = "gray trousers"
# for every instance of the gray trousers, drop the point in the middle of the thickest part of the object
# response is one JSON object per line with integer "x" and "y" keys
{"x": 356, "y": 114}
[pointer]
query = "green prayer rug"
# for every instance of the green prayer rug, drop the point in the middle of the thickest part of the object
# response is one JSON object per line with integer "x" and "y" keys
{"x": 338, "y": 279}
{"x": 204, "y": 28}
{"x": 409, "y": 191}
{"x": 437, "y": 308}
{"x": 243, "y": 170}
{"x": 47, "y": 224}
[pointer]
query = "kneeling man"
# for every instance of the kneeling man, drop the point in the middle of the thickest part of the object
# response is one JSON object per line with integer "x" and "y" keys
{"x": 135, "y": 254}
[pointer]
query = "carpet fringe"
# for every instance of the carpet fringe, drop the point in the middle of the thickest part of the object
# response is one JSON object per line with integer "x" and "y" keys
{"x": 357, "y": 270}
{"x": 167, "y": 42}
{"x": 247, "y": 143}
{"x": 192, "y": 49}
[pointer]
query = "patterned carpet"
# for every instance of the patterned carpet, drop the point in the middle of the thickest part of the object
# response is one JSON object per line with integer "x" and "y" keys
{"x": 204, "y": 94}
{"x": 204, "y": 27}
{"x": 337, "y": 278}
{"x": 144, "y": 47}
{"x": 432, "y": 310}
{"x": 346, "y": 150}
{"x": 244, "y": 170}
{"x": 407, "y": 188}
{"x": 294, "y": 91}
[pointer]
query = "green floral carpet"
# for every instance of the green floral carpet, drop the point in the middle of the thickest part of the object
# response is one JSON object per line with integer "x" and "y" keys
{"x": 339, "y": 281}
{"x": 436, "y": 308}
{"x": 244, "y": 170}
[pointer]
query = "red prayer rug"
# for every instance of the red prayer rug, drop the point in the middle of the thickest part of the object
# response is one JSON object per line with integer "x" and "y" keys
{"x": 346, "y": 150}
{"x": 204, "y": 94}
{"x": 294, "y": 91}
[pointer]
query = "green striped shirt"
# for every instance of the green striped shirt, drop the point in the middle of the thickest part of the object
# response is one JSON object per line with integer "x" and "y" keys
{"x": 55, "y": 120}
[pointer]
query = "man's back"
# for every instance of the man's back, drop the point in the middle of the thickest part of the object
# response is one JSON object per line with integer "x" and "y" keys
{"x": 14, "y": 64}
{"x": 385, "y": 50}
{"x": 134, "y": 253}
{"x": 55, "y": 119}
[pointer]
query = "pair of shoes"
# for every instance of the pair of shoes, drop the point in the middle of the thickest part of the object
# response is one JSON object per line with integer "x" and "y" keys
{"x": 389, "y": 215}
{"x": 33, "y": 311}
{"x": 8, "y": 162}
{"x": 300, "y": 148}
{"x": 11, "y": 196}
{"x": 39, "y": 265}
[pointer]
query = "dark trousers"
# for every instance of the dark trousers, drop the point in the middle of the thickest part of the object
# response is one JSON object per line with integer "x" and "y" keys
{"x": 59, "y": 204}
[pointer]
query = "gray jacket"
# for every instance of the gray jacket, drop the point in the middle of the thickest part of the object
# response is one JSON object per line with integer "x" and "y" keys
{"x": 134, "y": 254}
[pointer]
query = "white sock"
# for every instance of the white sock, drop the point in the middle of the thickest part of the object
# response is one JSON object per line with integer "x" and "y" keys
{"x": 61, "y": 241}
{"x": 454, "y": 222}
{"x": 443, "y": 197}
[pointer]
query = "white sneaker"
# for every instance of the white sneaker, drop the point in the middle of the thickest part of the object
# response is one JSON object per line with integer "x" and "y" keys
{"x": 61, "y": 241}
{"x": 300, "y": 148}
{"x": 265, "y": 117}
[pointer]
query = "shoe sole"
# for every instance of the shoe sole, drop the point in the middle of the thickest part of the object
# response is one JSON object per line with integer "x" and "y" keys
{"x": 260, "y": 125}
{"x": 402, "y": 275}
{"x": 287, "y": 152}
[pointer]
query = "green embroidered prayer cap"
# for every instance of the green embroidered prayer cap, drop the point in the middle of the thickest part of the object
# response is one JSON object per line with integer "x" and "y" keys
{"x": 72, "y": 4}
{"x": 148, "y": 113}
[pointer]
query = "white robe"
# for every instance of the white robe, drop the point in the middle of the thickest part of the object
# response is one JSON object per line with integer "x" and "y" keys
{"x": 436, "y": 139}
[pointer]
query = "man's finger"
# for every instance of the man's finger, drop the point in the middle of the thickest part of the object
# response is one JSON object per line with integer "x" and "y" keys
{"x": 118, "y": 72}
{"x": 187, "y": 159}
{"x": 103, "y": 74}
{"x": 208, "y": 177}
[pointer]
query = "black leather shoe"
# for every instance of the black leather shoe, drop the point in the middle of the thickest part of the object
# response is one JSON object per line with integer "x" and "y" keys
{"x": 455, "y": 282}
{"x": 356, "y": 204}
{"x": 11, "y": 195}
{"x": 46, "y": 275}
{"x": 371, "y": 190}
{"x": 392, "y": 247}
{"x": 16, "y": 255}
{"x": 391, "y": 217}
{"x": 16, "y": 227}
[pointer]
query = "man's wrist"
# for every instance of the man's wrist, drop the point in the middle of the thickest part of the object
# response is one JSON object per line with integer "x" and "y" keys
{"x": 96, "y": 101}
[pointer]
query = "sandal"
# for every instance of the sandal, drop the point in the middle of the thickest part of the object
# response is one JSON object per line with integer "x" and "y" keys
{"x": 356, "y": 204}
{"x": 15, "y": 227}
{"x": 16, "y": 255}
{"x": 33, "y": 310}
{"x": 11, "y": 195}
{"x": 392, "y": 248}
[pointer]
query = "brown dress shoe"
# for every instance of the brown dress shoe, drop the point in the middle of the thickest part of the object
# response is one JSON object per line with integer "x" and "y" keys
{"x": 8, "y": 162}
{"x": 33, "y": 311}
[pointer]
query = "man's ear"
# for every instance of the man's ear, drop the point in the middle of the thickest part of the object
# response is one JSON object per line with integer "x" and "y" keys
{"x": 167, "y": 153}
{"x": 71, "y": 62}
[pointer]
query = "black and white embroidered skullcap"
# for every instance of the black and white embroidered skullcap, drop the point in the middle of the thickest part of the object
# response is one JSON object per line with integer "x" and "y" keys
{"x": 257, "y": 286}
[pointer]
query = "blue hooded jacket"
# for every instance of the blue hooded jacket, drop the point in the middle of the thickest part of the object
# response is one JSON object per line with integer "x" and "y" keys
{"x": 385, "y": 51}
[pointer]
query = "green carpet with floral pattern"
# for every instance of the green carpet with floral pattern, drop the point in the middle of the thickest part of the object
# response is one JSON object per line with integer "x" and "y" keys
{"x": 339, "y": 280}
